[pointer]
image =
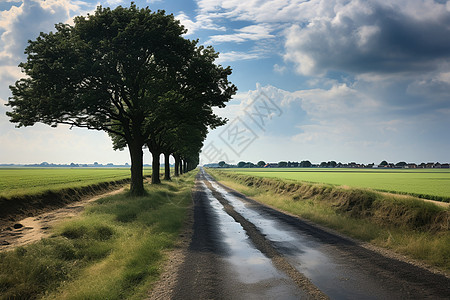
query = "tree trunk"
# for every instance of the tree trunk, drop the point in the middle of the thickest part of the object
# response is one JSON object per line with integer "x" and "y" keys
{"x": 155, "y": 166}
{"x": 177, "y": 165}
{"x": 181, "y": 166}
{"x": 184, "y": 166}
{"x": 166, "y": 166}
{"x": 137, "y": 179}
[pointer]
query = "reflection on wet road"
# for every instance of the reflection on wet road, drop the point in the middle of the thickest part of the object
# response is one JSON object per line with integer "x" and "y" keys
{"x": 251, "y": 267}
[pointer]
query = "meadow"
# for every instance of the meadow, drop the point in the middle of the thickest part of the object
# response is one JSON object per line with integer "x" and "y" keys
{"x": 115, "y": 249}
{"x": 30, "y": 181}
{"x": 424, "y": 183}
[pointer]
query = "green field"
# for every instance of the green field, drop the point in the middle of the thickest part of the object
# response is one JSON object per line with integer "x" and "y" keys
{"x": 28, "y": 181}
{"x": 424, "y": 183}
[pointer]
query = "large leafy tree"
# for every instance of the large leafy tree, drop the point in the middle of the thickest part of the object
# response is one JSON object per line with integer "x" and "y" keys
{"x": 107, "y": 72}
{"x": 179, "y": 119}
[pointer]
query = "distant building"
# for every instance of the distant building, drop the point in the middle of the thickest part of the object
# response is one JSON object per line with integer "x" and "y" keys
{"x": 271, "y": 165}
{"x": 429, "y": 165}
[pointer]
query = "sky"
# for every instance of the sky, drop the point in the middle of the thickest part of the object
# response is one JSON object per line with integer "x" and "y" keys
{"x": 318, "y": 80}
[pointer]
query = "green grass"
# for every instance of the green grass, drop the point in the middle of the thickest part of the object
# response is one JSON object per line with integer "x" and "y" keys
{"x": 114, "y": 250}
{"x": 404, "y": 224}
{"x": 30, "y": 181}
{"x": 424, "y": 183}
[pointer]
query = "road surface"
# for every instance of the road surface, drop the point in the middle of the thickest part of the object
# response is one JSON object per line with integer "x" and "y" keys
{"x": 241, "y": 249}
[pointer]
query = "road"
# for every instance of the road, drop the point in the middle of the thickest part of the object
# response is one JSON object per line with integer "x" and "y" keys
{"x": 241, "y": 249}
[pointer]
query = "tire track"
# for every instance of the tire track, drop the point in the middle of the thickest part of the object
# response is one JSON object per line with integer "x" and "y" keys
{"x": 266, "y": 247}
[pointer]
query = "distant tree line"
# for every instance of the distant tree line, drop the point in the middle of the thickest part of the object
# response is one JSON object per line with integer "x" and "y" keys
{"x": 131, "y": 73}
{"x": 329, "y": 164}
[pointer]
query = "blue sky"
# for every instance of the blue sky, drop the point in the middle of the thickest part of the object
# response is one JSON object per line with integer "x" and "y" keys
{"x": 360, "y": 81}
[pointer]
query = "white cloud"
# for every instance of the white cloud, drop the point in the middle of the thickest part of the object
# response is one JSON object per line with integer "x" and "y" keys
{"x": 9, "y": 74}
{"x": 201, "y": 22}
{"x": 19, "y": 24}
{"x": 279, "y": 69}
{"x": 258, "y": 11}
{"x": 115, "y": 2}
{"x": 236, "y": 55}
{"x": 248, "y": 33}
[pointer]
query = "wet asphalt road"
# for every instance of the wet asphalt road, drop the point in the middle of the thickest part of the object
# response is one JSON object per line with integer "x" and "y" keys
{"x": 241, "y": 249}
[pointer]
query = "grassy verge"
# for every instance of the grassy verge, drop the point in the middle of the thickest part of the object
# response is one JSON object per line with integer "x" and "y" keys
{"x": 404, "y": 224}
{"x": 114, "y": 250}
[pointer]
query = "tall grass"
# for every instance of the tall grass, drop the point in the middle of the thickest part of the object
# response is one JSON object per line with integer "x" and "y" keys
{"x": 407, "y": 225}
{"x": 114, "y": 250}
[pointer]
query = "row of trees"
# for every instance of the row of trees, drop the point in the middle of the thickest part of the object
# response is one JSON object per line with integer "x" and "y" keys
{"x": 129, "y": 72}
{"x": 261, "y": 164}
{"x": 330, "y": 164}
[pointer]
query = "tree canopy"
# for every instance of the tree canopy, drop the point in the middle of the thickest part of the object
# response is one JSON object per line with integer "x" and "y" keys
{"x": 129, "y": 72}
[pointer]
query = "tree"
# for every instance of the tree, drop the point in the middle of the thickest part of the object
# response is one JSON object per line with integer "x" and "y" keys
{"x": 102, "y": 73}
{"x": 222, "y": 164}
{"x": 241, "y": 164}
{"x": 401, "y": 164}
{"x": 331, "y": 164}
{"x": 305, "y": 164}
{"x": 198, "y": 86}
{"x": 282, "y": 164}
{"x": 114, "y": 71}
{"x": 384, "y": 163}
{"x": 261, "y": 163}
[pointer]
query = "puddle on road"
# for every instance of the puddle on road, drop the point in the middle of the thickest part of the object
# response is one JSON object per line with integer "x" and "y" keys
{"x": 337, "y": 279}
{"x": 254, "y": 270}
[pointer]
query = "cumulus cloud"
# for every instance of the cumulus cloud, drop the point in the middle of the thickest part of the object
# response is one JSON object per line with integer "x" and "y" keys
{"x": 371, "y": 37}
{"x": 360, "y": 37}
{"x": 397, "y": 52}
{"x": 19, "y": 24}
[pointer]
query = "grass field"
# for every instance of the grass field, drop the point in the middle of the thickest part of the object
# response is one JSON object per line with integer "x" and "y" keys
{"x": 115, "y": 249}
{"x": 28, "y": 181}
{"x": 425, "y": 183}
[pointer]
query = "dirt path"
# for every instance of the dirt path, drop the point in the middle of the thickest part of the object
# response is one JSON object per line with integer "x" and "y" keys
{"x": 240, "y": 249}
{"x": 33, "y": 229}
